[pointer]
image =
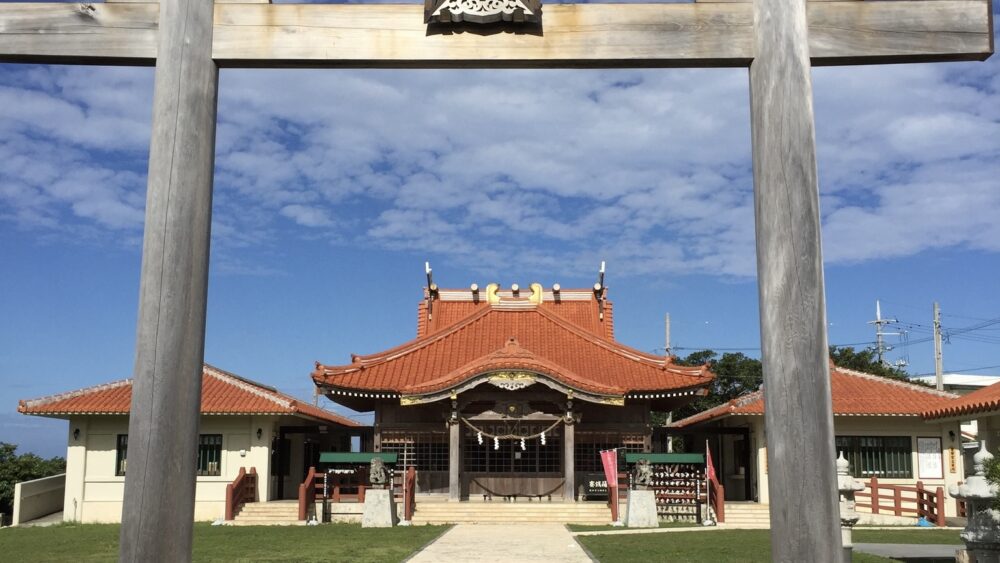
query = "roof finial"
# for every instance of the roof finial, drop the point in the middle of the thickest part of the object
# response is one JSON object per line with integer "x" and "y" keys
{"x": 599, "y": 291}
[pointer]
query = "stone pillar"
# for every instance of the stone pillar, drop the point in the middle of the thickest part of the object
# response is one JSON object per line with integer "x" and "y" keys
{"x": 982, "y": 531}
{"x": 847, "y": 486}
{"x": 569, "y": 468}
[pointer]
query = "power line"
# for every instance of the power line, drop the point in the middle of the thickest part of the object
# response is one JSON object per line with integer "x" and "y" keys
{"x": 745, "y": 348}
{"x": 958, "y": 370}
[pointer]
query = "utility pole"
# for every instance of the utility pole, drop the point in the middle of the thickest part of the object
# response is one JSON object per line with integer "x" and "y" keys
{"x": 880, "y": 347}
{"x": 938, "y": 356}
{"x": 666, "y": 347}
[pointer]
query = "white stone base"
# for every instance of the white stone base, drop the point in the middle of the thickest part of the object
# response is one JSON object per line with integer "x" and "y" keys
{"x": 380, "y": 509}
{"x": 640, "y": 512}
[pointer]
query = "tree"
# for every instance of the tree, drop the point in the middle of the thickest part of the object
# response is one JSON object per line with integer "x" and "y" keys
{"x": 865, "y": 360}
{"x": 735, "y": 375}
{"x": 25, "y": 467}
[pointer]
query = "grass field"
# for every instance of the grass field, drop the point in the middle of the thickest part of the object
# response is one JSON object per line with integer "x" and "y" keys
{"x": 351, "y": 543}
{"x": 331, "y": 542}
{"x": 732, "y": 546}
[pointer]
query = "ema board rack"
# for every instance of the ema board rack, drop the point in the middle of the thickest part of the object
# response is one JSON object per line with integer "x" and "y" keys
{"x": 678, "y": 482}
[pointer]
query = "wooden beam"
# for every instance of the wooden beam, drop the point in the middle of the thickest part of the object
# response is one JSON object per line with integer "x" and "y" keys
{"x": 798, "y": 413}
{"x": 571, "y": 36}
{"x": 158, "y": 508}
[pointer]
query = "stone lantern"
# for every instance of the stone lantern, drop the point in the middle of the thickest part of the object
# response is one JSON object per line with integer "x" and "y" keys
{"x": 847, "y": 486}
{"x": 982, "y": 531}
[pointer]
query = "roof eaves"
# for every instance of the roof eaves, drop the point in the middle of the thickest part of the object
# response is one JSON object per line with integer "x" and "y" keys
{"x": 25, "y": 406}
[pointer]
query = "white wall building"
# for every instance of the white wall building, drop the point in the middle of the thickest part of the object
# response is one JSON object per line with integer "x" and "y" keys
{"x": 878, "y": 423}
{"x": 244, "y": 424}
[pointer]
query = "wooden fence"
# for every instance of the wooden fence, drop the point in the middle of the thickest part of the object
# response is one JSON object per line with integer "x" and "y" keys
{"x": 903, "y": 500}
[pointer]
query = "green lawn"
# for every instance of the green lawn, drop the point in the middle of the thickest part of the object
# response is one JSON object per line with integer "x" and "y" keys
{"x": 732, "y": 545}
{"x": 340, "y": 542}
{"x": 907, "y": 535}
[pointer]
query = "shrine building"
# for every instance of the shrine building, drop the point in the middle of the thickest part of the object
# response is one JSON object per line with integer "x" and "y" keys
{"x": 511, "y": 391}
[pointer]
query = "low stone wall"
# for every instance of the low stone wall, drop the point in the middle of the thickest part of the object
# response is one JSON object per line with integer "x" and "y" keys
{"x": 41, "y": 497}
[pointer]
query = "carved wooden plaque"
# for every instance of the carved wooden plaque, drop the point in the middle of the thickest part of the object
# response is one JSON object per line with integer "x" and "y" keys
{"x": 482, "y": 11}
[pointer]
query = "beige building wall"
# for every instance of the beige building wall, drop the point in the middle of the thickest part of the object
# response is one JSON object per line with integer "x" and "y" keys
{"x": 94, "y": 493}
{"x": 913, "y": 427}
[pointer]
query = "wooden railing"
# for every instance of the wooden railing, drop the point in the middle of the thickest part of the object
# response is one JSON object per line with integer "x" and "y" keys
{"x": 243, "y": 489}
{"x": 344, "y": 488}
{"x": 717, "y": 498}
{"x": 307, "y": 493}
{"x": 904, "y": 500}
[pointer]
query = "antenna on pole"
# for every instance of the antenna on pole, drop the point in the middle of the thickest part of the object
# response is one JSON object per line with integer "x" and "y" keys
{"x": 880, "y": 346}
{"x": 666, "y": 325}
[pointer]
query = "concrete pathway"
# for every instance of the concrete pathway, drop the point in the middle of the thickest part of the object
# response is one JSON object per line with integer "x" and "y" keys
{"x": 910, "y": 551}
{"x": 50, "y": 520}
{"x": 504, "y": 543}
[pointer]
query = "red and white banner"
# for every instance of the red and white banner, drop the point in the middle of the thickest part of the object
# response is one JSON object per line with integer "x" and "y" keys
{"x": 609, "y": 458}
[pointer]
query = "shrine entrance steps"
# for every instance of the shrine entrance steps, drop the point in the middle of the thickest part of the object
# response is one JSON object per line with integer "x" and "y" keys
{"x": 747, "y": 515}
{"x": 271, "y": 513}
{"x": 442, "y": 511}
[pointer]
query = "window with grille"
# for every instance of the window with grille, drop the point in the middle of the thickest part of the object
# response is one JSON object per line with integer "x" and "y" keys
{"x": 427, "y": 451}
{"x": 210, "y": 455}
{"x": 509, "y": 457}
{"x": 587, "y": 450}
{"x": 121, "y": 453}
{"x": 878, "y": 456}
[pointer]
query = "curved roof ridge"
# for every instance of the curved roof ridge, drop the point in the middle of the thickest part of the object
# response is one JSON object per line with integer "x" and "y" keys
{"x": 623, "y": 349}
{"x": 407, "y": 347}
{"x": 896, "y": 382}
{"x": 979, "y": 401}
{"x": 25, "y": 404}
{"x": 516, "y": 356}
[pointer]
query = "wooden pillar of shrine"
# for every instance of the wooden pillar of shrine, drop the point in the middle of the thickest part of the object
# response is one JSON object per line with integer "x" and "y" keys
{"x": 568, "y": 458}
{"x": 454, "y": 458}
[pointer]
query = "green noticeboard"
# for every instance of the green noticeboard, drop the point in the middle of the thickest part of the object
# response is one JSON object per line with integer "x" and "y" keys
{"x": 356, "y": 457}
{"x": 632, "y": 457}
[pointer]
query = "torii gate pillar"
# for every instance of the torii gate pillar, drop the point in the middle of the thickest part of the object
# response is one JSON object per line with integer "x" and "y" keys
{"x": 170, "y": 341}
{"x": 805, "y": 519}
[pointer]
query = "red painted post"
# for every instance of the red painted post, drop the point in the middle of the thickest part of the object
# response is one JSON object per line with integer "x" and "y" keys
{"x": 940, "y": 507}
{"x": 922, "y": 503}
{"x": 874, "y": 486}
{"x": 361, "y": 493}
{"x": 897, "y": 501}
{"x": 307, "y": 493}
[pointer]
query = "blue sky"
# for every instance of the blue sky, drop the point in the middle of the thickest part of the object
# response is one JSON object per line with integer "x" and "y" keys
{"x": 333, "y": 187}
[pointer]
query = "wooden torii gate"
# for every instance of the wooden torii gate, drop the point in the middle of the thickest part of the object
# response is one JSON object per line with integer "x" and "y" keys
{"x": 778, "y": 40}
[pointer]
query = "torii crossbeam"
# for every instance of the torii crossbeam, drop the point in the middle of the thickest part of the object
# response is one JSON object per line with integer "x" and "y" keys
{"x": 778, "y": 40}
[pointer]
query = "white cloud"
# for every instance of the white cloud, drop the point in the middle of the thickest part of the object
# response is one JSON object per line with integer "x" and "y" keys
{"x": 648, "y": 168}
{"x": 306, "y": 216}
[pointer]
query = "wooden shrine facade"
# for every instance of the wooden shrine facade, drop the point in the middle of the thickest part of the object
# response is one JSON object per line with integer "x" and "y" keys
{"x": 507, "y": 392}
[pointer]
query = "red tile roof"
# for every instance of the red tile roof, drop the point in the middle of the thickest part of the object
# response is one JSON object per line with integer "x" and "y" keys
{"x": 221, "y": 393}
{"x": 854, "y": 393}
{"x": 578, "y": 306}
{"x": 979, "y": 401}
{"x": 513, "y": 334}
